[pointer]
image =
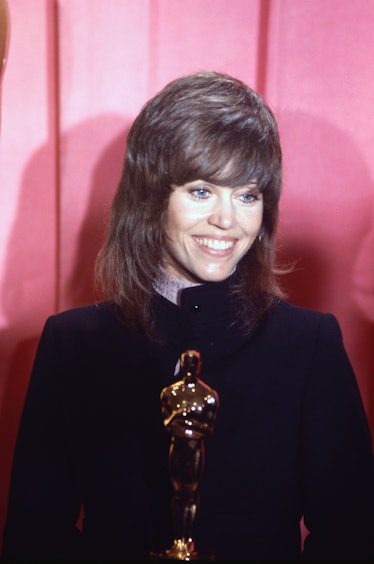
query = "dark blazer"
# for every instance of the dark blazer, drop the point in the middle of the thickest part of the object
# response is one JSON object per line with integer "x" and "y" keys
{"x": 291, "y": 438}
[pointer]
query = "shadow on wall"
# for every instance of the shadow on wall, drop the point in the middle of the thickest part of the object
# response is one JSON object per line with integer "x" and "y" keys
{"x": 327, "y": 227}
{"x": 105, "y": 177}
{"x": 27, "y": 292}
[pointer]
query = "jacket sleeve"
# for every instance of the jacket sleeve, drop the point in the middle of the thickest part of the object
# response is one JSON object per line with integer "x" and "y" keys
{"x": 43, "y": 503}
{"x": 337, "y": 456}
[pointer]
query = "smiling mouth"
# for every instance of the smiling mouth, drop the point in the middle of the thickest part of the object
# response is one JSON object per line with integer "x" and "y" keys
{"x": 214, "y": 244}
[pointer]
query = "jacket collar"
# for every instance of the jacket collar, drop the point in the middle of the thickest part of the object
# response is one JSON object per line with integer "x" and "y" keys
{"x": 204, "y": 320}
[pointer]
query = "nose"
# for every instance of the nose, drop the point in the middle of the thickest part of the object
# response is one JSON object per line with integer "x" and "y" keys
{"x": 222, "y": 214}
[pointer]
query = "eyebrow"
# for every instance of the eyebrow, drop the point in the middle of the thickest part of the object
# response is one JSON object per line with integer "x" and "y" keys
{"x": 253, "y": 185}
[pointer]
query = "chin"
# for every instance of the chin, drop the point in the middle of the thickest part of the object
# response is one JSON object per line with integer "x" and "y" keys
{"x": 217, "y": 277}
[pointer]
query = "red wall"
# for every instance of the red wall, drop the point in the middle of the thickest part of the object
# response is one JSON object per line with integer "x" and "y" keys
{"x": 78, "y": 72}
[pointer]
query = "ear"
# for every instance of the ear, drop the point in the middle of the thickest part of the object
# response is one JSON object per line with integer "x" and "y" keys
{"x": 261, "y": 234}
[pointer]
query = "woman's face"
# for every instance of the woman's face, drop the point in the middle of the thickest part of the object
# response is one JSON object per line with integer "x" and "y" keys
{"x": 210, "y": 228}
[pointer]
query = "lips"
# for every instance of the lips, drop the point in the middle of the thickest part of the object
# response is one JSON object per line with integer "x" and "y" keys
{"x": 215, "y": 244}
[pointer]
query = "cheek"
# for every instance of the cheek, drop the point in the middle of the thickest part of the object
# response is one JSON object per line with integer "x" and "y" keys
{"x": 259, "y": 221}
{"x": 174, "y": 223}
{"x": 252, "y": 224}
{"x": 179, "y": 219}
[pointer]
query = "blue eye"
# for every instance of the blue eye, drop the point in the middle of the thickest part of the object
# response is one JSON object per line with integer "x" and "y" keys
{"x": 200, "y": 193}
{"x": 248, "y": 198}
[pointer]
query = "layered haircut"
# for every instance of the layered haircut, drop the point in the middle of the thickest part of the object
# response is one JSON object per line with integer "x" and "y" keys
{"x": 205, "y": 126}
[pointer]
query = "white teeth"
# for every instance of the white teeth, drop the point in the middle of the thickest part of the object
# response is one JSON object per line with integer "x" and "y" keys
{"x": 215, "y": 244}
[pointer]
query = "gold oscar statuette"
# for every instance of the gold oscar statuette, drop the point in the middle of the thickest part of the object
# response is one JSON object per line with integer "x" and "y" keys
{"x": 189, "y": 408}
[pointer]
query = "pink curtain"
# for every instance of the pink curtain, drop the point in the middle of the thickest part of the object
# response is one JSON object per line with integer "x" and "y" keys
{"x": 78, "y": 71}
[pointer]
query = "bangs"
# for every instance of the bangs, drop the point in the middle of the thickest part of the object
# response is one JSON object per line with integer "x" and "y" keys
{"x": 224, "y": 162}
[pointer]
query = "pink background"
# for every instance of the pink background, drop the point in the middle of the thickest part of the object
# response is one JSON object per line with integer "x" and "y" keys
{"x": 78, "y": 72}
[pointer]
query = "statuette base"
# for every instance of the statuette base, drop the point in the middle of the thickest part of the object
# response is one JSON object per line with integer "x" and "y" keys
{"x": 181, "y": 550}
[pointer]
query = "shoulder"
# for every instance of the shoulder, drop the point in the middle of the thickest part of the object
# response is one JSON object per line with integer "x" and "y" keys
{"x": 92, "y": 334}
{"x": 296, "y": 324}
{"x": 302, "y": 317}
{"x": 84, "y": 317}
{"x": 87, "y": 324}
{"x": 306, "y": 340}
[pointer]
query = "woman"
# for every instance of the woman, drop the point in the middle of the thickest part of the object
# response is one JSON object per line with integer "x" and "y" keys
{"x": 188, "y": 263}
